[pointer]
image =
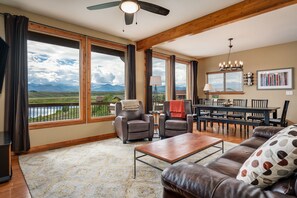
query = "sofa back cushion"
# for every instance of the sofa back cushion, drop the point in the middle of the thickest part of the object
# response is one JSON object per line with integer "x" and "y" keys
{"x": 275, "y": 159}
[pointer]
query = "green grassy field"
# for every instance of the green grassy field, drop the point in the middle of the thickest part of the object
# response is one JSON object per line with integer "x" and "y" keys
{"x": 68, "y": 97}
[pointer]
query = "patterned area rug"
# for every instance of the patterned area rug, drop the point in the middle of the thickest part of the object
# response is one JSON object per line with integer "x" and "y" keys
{"x": 98, "y": 169}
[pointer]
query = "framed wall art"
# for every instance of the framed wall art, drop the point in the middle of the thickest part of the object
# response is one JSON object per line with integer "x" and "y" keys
{"x": 275, "y": 79}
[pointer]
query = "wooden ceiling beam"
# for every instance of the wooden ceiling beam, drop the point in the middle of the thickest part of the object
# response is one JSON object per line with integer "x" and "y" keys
{"x": 236, "y": 12}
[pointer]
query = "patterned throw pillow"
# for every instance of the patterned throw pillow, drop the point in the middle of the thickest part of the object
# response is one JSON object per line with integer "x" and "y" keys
{"x": 275, "y": 159}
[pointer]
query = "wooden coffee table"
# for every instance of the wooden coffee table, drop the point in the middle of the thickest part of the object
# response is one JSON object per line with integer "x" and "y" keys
{"x": 177, "y": 148}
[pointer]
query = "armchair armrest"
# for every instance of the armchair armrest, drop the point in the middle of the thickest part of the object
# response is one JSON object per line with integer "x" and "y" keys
{"x": 120, "y": 124}
{"x": 266, "y": 131}
{"x": 190, "y": 123}
{"x": 162, "y": 120}
{"x": 193, "y": 180}
{"x": 150, "y": 119}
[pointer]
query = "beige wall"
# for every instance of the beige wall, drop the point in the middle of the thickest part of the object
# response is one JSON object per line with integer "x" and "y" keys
{"x": 59, "y": 134}
{"x": 278, "y": 56}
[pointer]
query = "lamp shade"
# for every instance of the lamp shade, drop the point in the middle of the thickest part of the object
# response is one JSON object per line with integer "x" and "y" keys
{"x": 207, "y": 87}
{"x": 155, "y": 80}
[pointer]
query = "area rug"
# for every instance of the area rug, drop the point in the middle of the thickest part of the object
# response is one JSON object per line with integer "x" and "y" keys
{"x": 98, "y": 169}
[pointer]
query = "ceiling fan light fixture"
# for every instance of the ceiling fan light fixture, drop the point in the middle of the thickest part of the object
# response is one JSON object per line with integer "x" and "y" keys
{"x": 129, "y": 6}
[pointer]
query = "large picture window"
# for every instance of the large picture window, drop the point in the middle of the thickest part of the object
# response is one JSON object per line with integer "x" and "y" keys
{"x": 107, "y": 71}
{"x": 226, "y": 82}
{"x": 159, "y": 69}
{"x": 107, "y": 80}
{"x": 181, "y": 80}
{"x": 54, "y": 70}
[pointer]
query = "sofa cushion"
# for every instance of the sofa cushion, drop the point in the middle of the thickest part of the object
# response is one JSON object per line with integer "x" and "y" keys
{"x": 176, "y": 124}
{"x": 239, "y": 153}
{"x": 225, "y": 166}
{"x": 275, "y": 159}
{"x": 137, "y": 126}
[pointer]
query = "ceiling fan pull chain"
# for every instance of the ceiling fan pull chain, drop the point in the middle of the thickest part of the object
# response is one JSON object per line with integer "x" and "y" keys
{"x": 124, "y": 23}
{"x": 136, "y": 18}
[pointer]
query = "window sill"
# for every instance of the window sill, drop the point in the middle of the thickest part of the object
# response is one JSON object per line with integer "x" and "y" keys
{"x": 42, "y": 125}
{"x": 101, "y": 119}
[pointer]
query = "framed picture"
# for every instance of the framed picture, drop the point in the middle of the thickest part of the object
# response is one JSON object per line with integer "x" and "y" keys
{"x": 275, "y": 79}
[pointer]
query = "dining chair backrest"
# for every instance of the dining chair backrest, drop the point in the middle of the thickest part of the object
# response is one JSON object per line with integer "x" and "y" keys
{"x": 259, "y": 103}
{"x": 284, "y": 113}
{"x": 240, "y": 102}
{"x": 201, "y": 101}
{"x": 220, "y": 102}
{"x": 208, "y": 101}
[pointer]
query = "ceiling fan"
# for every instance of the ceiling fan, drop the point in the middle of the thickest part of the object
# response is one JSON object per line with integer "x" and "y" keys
{"x": 130, "y": 7}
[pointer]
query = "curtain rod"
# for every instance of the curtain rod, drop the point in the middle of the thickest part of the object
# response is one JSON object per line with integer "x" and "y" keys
{"x": 1, "y": 13}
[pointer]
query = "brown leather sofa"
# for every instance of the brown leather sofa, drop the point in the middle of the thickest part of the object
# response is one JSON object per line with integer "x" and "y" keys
{"x": 217, "y": 178}
{"x": 169, "y": 126}
{"x": 133, "y": 124}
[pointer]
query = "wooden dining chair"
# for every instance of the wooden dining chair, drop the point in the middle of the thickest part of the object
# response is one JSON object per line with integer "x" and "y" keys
{"x": 282, "y": 120}
{"x": 238, "y": 115}
{"x": 258, "y": 103}
{"x": 202, "y": 101}
{"x": 219, "y": 114}
{"x": 205, "y": 101}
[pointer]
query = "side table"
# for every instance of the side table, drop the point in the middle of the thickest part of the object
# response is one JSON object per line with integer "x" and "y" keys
{"x": 156, "y": 123}
{"x": 5, "y": 156}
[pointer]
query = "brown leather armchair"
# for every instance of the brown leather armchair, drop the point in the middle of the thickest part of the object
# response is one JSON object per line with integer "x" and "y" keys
{"x": 169, "y": 127}
{"x": 133, "y": 124}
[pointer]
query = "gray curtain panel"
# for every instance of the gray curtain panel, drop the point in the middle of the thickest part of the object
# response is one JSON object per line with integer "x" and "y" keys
{"x": 194, "y": 70}
{"x": 172, "y": 76}
{"x": 149, "y": 73}
{"x": 131, "y": 86}
{"x": 16, "y": 83}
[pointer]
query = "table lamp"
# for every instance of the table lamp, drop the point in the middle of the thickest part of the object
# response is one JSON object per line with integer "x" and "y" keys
{"x": 207, "y": 88}
{"x": 155, "y": 81}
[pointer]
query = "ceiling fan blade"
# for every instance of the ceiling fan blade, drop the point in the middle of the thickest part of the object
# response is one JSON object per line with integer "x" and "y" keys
{"x": 104, "y": 5}
{"x": 129, "y": 18}
{"x": 153, "y": 8}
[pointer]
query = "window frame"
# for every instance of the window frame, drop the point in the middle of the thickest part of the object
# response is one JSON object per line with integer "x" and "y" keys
{"x": 188, "y": 77}
{"x": 166, "y": 58}
{"x": 42, "y": 29}
{"x": 224, "y": 83}
{"x": 101, "y": 43}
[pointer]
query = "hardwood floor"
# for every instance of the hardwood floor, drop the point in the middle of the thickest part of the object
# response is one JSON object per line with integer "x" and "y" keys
{"x": 17, "y": 187}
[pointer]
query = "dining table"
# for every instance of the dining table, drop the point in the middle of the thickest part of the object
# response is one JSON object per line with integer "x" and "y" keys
{"x": 266, "y": 111}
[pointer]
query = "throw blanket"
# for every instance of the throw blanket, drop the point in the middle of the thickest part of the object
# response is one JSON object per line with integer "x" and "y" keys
{"x": 177, "y": 109}
{"x": 130, "y": 104}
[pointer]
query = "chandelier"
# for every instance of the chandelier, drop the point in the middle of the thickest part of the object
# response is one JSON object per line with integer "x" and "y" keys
{"x": 238, "y": 65}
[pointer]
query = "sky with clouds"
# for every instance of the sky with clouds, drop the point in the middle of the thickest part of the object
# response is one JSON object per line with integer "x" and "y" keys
{"x": 59, "y": 65}
{"x": 180, "y": 72}
{"x": 54, "y": 64}
{"x": 107, "y": 69}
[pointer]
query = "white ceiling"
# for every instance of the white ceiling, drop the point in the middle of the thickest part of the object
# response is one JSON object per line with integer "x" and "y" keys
{"x": 268, "y": 29}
